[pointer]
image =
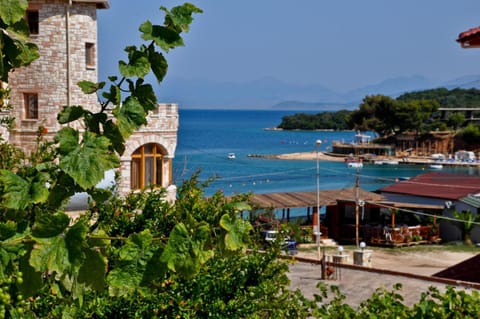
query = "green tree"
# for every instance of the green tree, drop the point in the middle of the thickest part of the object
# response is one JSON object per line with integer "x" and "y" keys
{"x": 456, "y": 120}
{"x": 375, "y": 113}
{"x": 385, "y": 115}
{"x": 470, "y": 134}
{"x": 321, "y": 121}
{"x": 468, "y": 221}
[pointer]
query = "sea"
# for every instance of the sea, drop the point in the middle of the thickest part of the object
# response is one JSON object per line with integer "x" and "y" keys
{"x": 206, "y": 137}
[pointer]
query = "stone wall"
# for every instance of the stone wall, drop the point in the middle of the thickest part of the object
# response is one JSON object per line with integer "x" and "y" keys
{"x": 162, "y": 129}
{"x": 64, "y": 31}
{"x": 55, "y": 74}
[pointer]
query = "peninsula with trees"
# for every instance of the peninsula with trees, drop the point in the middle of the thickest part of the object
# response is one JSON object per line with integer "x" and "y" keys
{"x": 443, "y": 119}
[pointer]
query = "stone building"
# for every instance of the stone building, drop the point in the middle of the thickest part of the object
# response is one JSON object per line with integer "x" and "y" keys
{"x": 66, "y": 34}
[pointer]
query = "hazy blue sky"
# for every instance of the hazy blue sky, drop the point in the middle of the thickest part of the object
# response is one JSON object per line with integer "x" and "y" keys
{"x": 341, "y": 44}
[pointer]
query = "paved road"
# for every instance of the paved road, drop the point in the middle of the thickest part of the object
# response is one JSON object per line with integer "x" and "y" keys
{"x": 358, "y": 285}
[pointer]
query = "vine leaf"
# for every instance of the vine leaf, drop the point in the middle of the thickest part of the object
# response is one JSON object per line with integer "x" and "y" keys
{"x": 130, "y": 116}
{"x": 7, "y": 229}
{"x": 145, "y": 96}
{"x": 165, "y": 38}
{"x": 87, "y": 162}
{"x": 50, "y": 254}
{"x": 75, "y": 242}
{"x": 185, "y": 254}
{"x": 237, "y": 232}
{"x": 49, "y": 225}
{"x": 92, "y": 272}
{"x": 134, "y": 257}
{"x": 32, "y": 280}
{"x": 137, "y": 66}
{"x": 112, "y": 132}
{"x": 90, "y": 87}
{"x": 180, "y": 17}
{"x": 69, "y": 114}
{"x": 68, "y": 140}
{"x": 20, "y": 192}
{"x": 158, "y": 63}
{"x": 63, "y": 255}
{"x": 12, "y": 11}
{"x": 114, "y": 95}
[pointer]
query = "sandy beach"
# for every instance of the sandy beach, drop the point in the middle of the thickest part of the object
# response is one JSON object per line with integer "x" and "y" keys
{"x": 309, "y": 156}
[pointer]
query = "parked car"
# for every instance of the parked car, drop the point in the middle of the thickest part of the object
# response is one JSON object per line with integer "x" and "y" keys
{"x": 270, "y": 236}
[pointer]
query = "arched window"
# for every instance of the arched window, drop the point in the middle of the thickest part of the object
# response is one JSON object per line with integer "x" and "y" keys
{"x": 147, "y": 166}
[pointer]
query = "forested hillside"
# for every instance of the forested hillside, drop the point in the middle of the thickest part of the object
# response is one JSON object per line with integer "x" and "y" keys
{"x": 446, "y": 98}
{"x": 414, "y": 111}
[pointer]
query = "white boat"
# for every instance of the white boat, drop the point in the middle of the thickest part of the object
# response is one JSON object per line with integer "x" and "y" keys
{"x": 436, "y": 166}
{"x": 354, "y": 164}
{"x": 390, "y": 162}
{"x": 385, "y": 162}
{"x": 231, "y": 155}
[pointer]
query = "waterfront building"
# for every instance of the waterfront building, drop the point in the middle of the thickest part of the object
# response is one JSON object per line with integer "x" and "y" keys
{"x": 66, "y": 34}
{"x": 452, "y": 192}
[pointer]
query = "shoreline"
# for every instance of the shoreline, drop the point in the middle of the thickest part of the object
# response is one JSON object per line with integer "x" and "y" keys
{"x": 403, "y": 160}
{"x": 301, "y": 156}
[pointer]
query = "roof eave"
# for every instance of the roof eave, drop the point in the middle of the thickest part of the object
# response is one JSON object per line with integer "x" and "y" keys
{"x": 101, "y": 4}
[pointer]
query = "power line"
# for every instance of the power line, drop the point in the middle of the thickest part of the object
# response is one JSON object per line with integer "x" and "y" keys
{"x": 423, "y": 213}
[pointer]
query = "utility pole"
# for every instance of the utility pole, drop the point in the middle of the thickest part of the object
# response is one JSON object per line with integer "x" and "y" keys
{"x": 357, "y": 213}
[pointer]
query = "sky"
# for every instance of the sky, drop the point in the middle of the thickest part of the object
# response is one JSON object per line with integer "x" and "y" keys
{"x": 340, "y": 44}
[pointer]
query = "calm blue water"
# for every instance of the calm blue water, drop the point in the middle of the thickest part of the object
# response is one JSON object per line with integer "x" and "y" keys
{"x": 205, "y": 138}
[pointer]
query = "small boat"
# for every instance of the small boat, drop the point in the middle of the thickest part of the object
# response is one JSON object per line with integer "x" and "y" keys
{"x": 354, "y": 164}
{"x": 385, "y": 162}
{"x": 390, "y": 162}
{"x": 436, "y": 166}
{"x": 231, "y": 155}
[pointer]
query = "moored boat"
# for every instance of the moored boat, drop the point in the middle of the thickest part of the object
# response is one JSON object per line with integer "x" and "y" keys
{"x": 354, "y": 164}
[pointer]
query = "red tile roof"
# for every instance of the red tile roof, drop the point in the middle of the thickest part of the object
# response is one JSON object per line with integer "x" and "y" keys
{"x": 470, "y": 37}
{"x": 437, "y": 185}
{"x": 467, "y": 270}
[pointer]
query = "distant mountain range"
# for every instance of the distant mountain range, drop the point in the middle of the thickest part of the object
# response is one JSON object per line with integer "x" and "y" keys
{"x": 269, "y": 93}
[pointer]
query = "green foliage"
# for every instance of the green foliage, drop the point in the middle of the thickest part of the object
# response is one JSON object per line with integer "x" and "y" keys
{"x": 386, "y": 116}
{"x": 16, "y": 50}
{"x": 445, "y": 98}
{"x": 470, "y": 134}
{"x": 415, "y": 111}
{"x": 325, "y": 120}
{"x": 468, "y": 221}
{"x": 10, "y": 156}
{"x": 238, "y": 232}
{"x": 456, "y": 120}
{"x": 139, "y": 256}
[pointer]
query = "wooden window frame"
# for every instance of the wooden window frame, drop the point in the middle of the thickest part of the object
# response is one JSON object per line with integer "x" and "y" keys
{"x": 90, "y": 55}
{"x": 31, "y": 113}
{"x": 139, "y": 157}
